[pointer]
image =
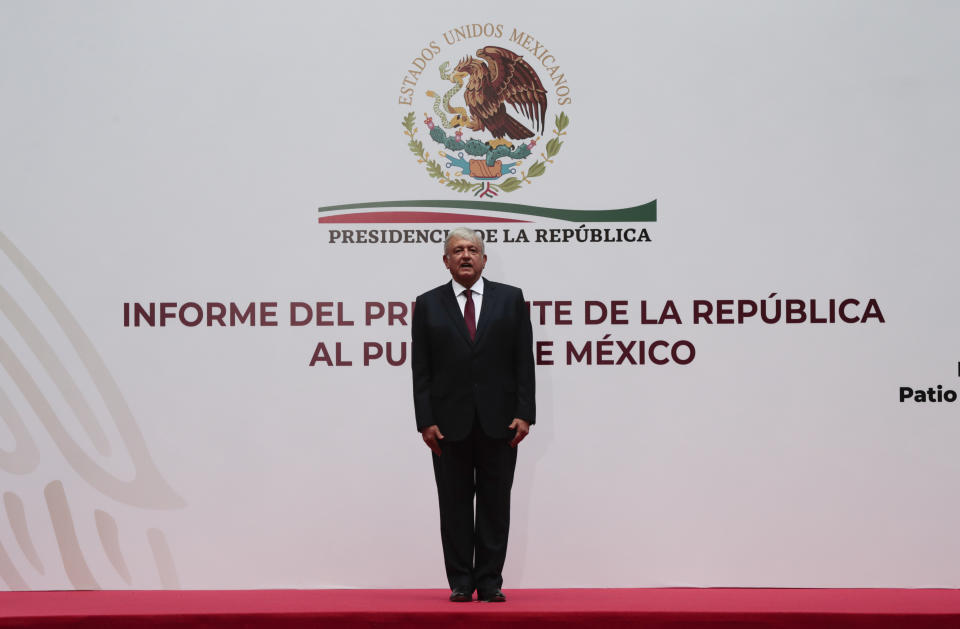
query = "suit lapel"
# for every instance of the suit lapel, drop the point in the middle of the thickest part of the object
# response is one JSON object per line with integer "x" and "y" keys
{"x": 453, "y": 310}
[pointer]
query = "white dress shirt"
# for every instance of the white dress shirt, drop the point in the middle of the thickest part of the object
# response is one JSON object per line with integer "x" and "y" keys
{"x": 477, "y": 288}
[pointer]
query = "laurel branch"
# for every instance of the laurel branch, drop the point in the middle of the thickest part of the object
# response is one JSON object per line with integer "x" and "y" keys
{"x": 459, "y": 184}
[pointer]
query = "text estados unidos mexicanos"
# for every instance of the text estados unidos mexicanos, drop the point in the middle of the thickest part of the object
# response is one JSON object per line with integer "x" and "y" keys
{"x": 582, "y": 234}
{"x": 539, "y": 52}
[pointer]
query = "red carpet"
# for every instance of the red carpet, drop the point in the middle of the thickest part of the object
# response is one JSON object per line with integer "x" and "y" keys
{"x": 673, "y": 608}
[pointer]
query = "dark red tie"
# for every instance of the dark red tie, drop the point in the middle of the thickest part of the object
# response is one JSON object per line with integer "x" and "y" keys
{"x": 469, "y": 315}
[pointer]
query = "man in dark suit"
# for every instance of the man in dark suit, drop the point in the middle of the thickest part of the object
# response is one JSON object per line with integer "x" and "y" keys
{"x": 473, "y": 393}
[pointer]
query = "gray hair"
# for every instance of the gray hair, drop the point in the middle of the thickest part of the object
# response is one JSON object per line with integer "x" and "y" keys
{"x": 467, "y": 234}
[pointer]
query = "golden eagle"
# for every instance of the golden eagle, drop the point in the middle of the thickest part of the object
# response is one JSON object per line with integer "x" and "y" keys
{"x": 504, "y": 78}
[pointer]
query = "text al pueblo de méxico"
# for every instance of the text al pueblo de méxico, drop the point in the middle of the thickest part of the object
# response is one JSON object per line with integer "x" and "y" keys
{"x": 602, "y": 332}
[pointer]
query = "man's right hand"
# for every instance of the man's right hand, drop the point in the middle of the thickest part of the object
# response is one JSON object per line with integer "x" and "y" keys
{"x": 432, "y": 436}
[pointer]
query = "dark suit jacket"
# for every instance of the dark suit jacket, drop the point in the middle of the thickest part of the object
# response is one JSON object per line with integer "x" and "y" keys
{"x": 455, "y": 379}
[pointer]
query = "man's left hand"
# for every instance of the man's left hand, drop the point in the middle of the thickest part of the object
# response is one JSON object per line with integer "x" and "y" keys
{"x": 522, "y": 428}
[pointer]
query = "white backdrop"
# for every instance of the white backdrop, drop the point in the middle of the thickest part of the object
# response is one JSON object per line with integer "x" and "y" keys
{"x": 157, "y": 152}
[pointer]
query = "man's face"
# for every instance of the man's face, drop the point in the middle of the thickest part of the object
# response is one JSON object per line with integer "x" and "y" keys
{"x": 464, "y": 260}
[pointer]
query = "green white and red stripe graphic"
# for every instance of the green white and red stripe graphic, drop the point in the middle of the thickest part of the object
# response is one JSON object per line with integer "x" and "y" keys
{"x": 421, "y": 212}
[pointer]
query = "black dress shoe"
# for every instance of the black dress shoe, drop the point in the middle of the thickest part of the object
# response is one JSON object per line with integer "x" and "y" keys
{"x": 494, "y": 596}
{"x": 461, "y": 595}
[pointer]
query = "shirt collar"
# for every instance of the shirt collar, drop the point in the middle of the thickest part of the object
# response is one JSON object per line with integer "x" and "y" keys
{"x": 477, "y": 287}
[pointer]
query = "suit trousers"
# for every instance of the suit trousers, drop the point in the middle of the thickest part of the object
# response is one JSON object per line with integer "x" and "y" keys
{"x": 475, "y": 545}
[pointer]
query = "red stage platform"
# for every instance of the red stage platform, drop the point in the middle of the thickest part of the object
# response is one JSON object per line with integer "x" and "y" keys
{"x": 672, "y": 608}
